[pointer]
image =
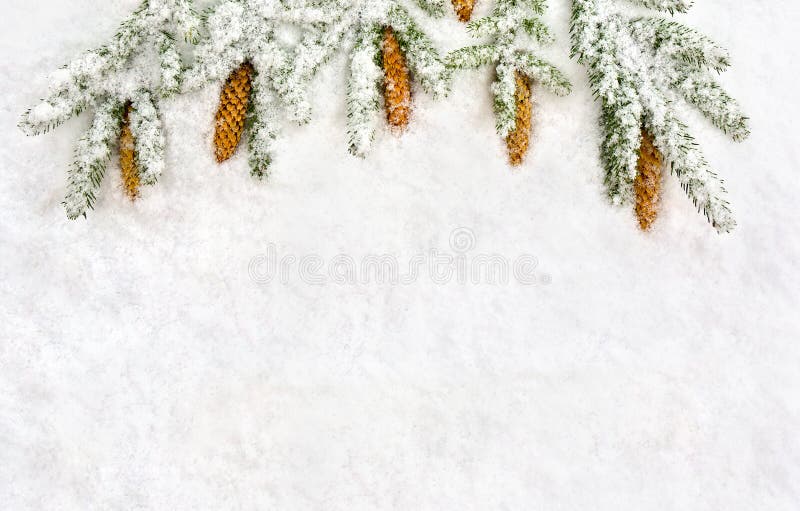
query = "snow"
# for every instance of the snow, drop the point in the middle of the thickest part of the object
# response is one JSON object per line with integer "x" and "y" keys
{"x": 145, "y": 365}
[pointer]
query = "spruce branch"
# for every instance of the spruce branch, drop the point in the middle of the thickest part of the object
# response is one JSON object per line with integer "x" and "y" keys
{"x": 364, "y": 90}
{"x": 636, "y": 65}
{"x": 262, "y": 127}
{"x": 91, "y": 158}
{"x": 317, "y": 47}
{"x": 670, "y": 6}
{"x": 138, "y": 67}
{"x": 472, "y": 57}
{"x": 435, "y": 8}
{"x": 511, "y": 53}
{"x": 505, "y": 105}
{"x": 423, "y": 58}
{"x": 149, "y": 136}
{"x": 116, "y": 69}
{"x": 542, "y": 72}
{"x": 245, "y": 31}
{"x": 677, "y": 41}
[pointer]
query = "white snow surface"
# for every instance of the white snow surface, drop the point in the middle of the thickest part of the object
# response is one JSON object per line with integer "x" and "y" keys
{"x": 143, "y": 367}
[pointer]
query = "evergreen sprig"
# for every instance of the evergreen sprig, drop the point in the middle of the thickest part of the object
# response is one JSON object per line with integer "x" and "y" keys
{"x": 366, "y": 73}
{"x": 140, "y": 65}
{"x": 636, "y": 66}
{"x": 508, "y": 49}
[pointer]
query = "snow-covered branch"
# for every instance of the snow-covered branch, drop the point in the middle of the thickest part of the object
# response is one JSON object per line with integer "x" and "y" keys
{"x": 636, "y": 68}
{"x": 139, "y": 66}
{"x": 509, "y": 28}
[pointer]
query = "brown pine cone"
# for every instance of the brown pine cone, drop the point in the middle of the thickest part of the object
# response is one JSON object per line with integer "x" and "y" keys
{"x": 519, "y": 139}
{"x": 127, "y": 157}
{"x": 647, "y": 185}
{"x": 464, "y": 9}
{"x": 397, "y": 83}
{"x": 232, "y": 112}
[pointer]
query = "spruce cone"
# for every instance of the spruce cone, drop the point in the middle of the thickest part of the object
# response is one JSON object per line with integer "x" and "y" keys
{"x": 127, "y": 157}
{"x": 230, "y": 118}
{"x": 464, "y": 9}
{"x": 519, "y": 139}
{"x": 647, "y": 185}
{"x": 397, "y": 84}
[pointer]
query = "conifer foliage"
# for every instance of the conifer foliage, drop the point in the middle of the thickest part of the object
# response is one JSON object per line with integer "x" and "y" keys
{"x": 389, "y": 47}
{"x": 515, "y": 66}
{"x": 265, "y": 54}
{"x": 635, "y": 66}
{"x": 390, "y": 51}
{"x": 242, "y": 53}
{"x": 123, "y": 82}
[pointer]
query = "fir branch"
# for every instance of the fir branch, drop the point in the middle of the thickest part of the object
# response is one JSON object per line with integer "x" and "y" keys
{"x": 634, "y": 66}
{"x": 505, "y": 106}
{"x": 670, "y": 6}
{"x": 188, "y": 20}
{"x": 716, "y": 105}
{"x": 543, "y": 72}
{"x": 682, "y": 60}
{"x": 703, "y": 187}
{"x": 149, "y": 137}
{"x": 503, "y": 22}
{"x": 171, "y": 65}
{"x": 507, "y": 18}
{"x": 140, "y": 64}
{"x": 536, "y": 6}
{"x": 363, "y": 90}
{"x": 423, "y": 59}
{"x": 472, "y": 57}
{"x": 315, "y": 50}
{"x": 224, "y": 48}
{"x": 262, "y": 127}
{"x": 435, "y": 8}
{"x": 91, "y": 157}
{"x": 537, "y": 29}
{"x": 680, "y": 42}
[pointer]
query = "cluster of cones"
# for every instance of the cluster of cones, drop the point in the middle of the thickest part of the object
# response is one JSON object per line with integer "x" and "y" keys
{"x": 647, "y": 184}
{"x": 235, "y": 97}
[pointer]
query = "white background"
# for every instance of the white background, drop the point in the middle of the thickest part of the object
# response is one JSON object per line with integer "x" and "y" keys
{"x": 142, "y": 368}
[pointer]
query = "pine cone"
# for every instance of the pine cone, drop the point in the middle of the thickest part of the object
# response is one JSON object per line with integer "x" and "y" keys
{"x": 519, "y": 139}
{"x": 464, "y": 9}
{"x": 647, "y": 185}
{"x": 232, "y": 112}
{"x": 127, "y": 157}
{"x": 397, "y": 84}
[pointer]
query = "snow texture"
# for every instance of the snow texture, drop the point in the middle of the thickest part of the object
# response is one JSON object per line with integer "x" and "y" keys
{"x": 144, "y": 365}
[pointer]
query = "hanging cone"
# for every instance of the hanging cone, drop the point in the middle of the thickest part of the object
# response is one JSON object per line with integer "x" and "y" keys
{"x": 127, "y": 156}
{"x": 396, "y": 83}
{"x": 464, "y": 9}
{"x": 647, "y": 185}
{"x": 519, "y": 139}
{"x": 230, "y": 118}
